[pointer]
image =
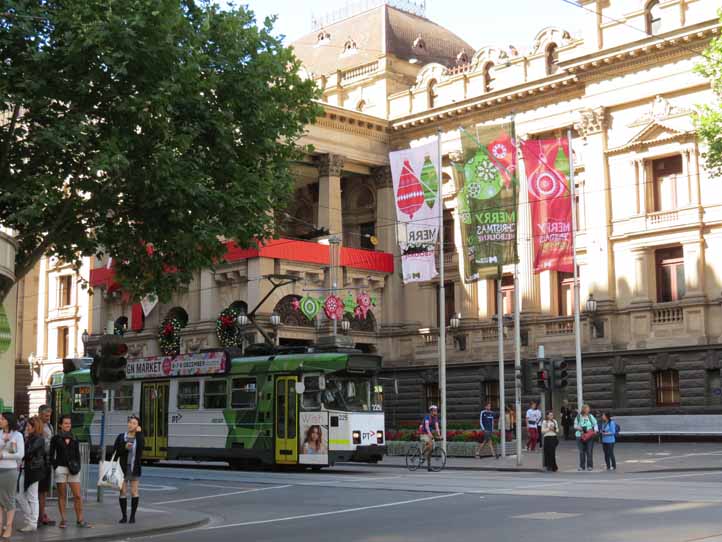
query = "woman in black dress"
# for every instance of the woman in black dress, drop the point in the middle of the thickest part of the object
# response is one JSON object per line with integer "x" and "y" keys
{"x": 129, "y": 451}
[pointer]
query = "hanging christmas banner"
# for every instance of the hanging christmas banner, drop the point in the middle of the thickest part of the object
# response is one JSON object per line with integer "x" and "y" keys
{"x": 487, "y": 185}
{"x": 416, "y": 177}
{"x": 547, "y": 173}
{"x": 310, "y": 307}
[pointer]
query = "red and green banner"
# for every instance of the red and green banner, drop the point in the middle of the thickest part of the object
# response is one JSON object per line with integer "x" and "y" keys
{"x": 547, "y": 173}
{"x": 488, "y": 189}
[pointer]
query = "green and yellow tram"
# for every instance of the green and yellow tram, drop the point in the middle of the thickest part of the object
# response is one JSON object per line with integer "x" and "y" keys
{"x": 303, "y": 408}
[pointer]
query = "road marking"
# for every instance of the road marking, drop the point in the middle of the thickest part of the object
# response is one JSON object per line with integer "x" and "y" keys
{"x": 219, "y": 487}
{"x": 220, "y": 495}
{"x": 675, "y": 507}
{"x": 153, "y": 510}
{"x": 546, "y": 516}
{"x": 334, "y": 512}
{"x": 668, "y": 476}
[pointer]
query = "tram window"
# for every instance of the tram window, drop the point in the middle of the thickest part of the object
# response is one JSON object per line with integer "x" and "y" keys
{"x": 311, "y": 398}
{"x": 123, "y": 397}
{"x": 81, "y": 398}
{"x": 189, "y": 395}
{"x": 243, "y": 393}
{"x": 215, "y": 394}
{"x": 98, "y": 396}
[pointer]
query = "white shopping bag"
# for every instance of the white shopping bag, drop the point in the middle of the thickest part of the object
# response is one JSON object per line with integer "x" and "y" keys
{"x": 111, "y": 475}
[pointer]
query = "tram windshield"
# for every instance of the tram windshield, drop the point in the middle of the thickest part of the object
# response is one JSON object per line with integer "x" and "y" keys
{"x": 342, "y": 392}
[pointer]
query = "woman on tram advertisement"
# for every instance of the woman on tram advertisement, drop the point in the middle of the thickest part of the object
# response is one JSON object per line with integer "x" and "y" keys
{"x": 314, "y": 438}
{"x": 314, "y": 444}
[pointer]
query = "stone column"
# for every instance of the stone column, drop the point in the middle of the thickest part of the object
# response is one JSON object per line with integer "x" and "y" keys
{"x": 386, "y": 214}
{"x": 528, "y": 280}
{"x": 694, "y": 268}
{"x": 641, "y": 181}
{"x": 641, "y": 274}
{"x": 329, "y": 193}
{"x": 592, "y": 127}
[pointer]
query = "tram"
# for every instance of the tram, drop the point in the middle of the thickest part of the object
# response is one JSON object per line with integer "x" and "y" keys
{"x": 298, "y": 408}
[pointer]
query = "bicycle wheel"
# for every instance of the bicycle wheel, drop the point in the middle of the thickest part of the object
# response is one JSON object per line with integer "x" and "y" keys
{"x": 438, "y": 459}
{"x": 413, "y": 458}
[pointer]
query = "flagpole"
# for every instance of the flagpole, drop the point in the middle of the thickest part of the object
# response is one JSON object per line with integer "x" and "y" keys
{"x": 577, "y": 324}
{"x": 442, "y": 300}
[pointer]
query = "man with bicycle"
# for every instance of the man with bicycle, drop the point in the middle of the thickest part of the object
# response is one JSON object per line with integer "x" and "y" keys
{"x": 428, "y": 426}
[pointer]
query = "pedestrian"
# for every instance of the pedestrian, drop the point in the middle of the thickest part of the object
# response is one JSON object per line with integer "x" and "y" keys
{"x": 486, "y": 423}
{"x": 65, "y": 459}
{"x": 533, "y": 418}
{"x": 128, "y": 449}
{"x": 510, "y": 419}
{"x": 550, "y": 437}
{"x": 34, "y": 468}
{"x": 586, "y": 429}
{"x": 45, "y": 413}
{"x": 12, "y": 451}
{"x": 609, "y": 438}
{"x": 567, "y": 420}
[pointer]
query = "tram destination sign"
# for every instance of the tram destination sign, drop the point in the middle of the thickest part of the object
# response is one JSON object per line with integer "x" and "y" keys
{"x": 200, "y": 364}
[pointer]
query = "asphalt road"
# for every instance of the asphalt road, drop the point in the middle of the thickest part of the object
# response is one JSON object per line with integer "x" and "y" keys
{"x": 368, "y": 504}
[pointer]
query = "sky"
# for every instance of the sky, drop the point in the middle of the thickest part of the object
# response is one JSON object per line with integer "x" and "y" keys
{"x": 478, "y": 22}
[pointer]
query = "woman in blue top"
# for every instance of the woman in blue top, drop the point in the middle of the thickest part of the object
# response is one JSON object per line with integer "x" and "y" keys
{"x": 609, "y": 437}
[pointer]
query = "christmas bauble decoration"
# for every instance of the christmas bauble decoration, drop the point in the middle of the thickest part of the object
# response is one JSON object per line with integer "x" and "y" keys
{"x": 310, "y": 307}
{"x": 410, "y": 195}
{"x": 429, "y": 182}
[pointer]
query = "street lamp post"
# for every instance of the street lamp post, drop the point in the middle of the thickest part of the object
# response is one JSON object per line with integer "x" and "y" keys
{"x": 84, "y": 337}
{"x": 345, "y": 326}
{"x": 275, "y": 322}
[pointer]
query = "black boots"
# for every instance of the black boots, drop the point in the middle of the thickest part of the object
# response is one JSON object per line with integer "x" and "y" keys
{"x": 123, "y": 509}
{"x": 133, "y": 508}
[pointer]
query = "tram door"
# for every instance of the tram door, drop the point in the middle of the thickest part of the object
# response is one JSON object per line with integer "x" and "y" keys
{"x": 154, "y": 419}
{"x": 286, "y": 422}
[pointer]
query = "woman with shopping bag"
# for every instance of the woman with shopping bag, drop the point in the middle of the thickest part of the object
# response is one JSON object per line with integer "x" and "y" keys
{"x": 129, "y": 451}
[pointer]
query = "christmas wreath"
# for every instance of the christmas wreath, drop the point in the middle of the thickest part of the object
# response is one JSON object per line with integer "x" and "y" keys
{"x": 169, "y": 336}
{"x": 226, "y": 329}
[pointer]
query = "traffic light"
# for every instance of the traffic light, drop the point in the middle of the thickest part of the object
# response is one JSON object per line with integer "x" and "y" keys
{"x": 560, "y": 376}
{"x": 542, "y": 379}
{"x": 109, "y": 366}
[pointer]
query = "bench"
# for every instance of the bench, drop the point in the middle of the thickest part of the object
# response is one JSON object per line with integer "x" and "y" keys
{"x": 670, "y": 425}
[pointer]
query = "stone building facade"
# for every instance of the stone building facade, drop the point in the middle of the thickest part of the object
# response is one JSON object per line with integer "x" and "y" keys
{"x": 649, "y": 221}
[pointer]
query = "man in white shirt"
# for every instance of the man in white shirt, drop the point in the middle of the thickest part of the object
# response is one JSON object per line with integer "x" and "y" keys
{"x": 533, "y": 419}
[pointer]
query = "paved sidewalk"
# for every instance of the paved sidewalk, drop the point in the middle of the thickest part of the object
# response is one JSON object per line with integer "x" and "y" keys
{"x": 105, "y": 527}
{"x": 631, "y": 457}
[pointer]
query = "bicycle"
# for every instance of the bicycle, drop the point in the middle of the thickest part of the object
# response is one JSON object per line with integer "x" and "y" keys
{"x": 415, "y": 457}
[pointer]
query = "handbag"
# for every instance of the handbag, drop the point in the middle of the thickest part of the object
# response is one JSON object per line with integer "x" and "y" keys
{"x": 111, "y": 475}
{"x": 588, "y": 435}
{"x": 73, "y": 466}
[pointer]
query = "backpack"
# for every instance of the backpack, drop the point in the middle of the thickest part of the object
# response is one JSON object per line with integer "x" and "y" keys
{"x": 617, "y": 429}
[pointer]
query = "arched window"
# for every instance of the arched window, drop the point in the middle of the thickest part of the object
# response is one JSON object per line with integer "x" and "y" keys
{"x": 462, "y": 58}
{"x": 241, "y": 307}
{"x": 432, "y": 93}
{"x": 667, "y": 387}
{"x": 552, "y": 58}
{"x": 488, "y": 78}
{"x": 349, "y": 47}
{"x": 179, "y": 314}
{"x": 291, "y": 316}
{"x": 360, "y": 106}
{"x": 120, "y": 326}
{"x": 653, "y": 17}
{"x": 323, "y": 37}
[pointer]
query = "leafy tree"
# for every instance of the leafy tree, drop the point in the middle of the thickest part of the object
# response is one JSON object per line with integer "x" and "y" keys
{"x": 709, "y": 119}
{"x": 148, "y": 130}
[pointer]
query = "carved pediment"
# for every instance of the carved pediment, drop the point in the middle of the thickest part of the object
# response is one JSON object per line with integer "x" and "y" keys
{"x": 660, "y": 109}
{"x": 657, "y": 132}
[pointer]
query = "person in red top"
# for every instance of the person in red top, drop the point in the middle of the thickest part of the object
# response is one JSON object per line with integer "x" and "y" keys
{"x": 427, "y": 429}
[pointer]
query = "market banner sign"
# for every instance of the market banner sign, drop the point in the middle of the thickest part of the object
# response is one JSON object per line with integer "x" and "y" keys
{"x": 202, "y": 364}
{"x": 416, "y": 173}
{"x": 487, "y": 196}
{"x": 547, "y": 173}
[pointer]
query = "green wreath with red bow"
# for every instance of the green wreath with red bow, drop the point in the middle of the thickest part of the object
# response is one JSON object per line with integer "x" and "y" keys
{"x": 226, "y": 328}
{"x": 169, "y": 337}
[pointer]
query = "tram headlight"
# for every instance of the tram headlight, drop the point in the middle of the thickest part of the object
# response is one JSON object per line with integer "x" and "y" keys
{"x": 356, "y": 437}
{"x": 380, "y": 437}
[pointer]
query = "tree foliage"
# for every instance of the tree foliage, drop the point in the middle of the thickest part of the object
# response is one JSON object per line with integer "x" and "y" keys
{"x": 709, "y": 119}
{"x": 147, "y": 130}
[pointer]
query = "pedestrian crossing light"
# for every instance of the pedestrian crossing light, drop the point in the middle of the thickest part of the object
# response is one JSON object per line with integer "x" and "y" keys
{"x": 109, "y": 366}
{"x": 561, "y": 374}
{"x": 542, "y": 379}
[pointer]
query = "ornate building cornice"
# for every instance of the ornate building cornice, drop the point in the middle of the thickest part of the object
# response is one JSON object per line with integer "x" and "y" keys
{"x": 330, "y": 165}
{"x": 381, "y": 176}
{"x": 591, "y": 121}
